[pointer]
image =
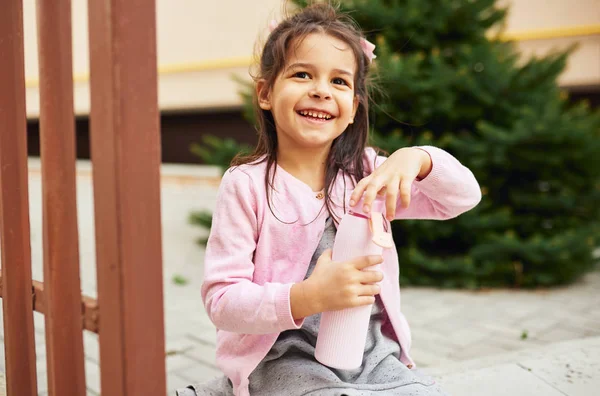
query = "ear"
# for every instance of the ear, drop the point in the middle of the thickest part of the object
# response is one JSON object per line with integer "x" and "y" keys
{"x": 263, "y": 93}
{"x": 355, "y": 105}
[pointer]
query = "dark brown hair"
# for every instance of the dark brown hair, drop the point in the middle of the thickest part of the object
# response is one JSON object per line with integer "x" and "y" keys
{"x": 347, "y": 149}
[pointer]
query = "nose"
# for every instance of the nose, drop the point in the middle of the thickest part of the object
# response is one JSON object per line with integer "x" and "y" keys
{"x": 320, "y": 91}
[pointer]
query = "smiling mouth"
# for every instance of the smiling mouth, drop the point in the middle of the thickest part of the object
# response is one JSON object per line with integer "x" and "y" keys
{"x": 315, "y": 115}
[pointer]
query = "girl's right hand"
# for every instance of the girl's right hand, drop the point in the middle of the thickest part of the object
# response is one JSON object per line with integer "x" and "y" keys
{"x": 338, "y": 285}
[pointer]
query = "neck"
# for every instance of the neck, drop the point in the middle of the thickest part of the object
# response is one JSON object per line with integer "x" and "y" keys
{"x": 307, "y": 165}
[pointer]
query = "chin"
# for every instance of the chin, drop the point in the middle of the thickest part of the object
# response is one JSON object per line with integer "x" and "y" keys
{"x": 316, "y": 142}
{"x": 318, "y": 138}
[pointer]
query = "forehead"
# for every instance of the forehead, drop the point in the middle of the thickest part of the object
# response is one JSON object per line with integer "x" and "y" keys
{"x": 322, "y": 50}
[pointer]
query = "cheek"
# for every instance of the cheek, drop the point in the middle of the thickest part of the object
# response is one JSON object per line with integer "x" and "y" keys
{"x": 286, "y": 100}
{"x": 347, "y": 105}
{"x": 280, "y": 107}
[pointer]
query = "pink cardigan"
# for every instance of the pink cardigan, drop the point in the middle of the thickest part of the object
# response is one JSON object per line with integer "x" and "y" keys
{"x": 253, "y": 258}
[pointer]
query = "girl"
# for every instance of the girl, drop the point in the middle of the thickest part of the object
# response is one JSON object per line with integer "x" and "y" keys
{"x": 268, "y": 267}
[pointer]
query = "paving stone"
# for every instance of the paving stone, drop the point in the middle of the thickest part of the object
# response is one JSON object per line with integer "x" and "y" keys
{"x": 466, "y": 336}
{"x": 559, "y": 333}
{"x": 508, "y": 379}
{"x": 208, "y": 337}
{"x": 501, "y": 328}
{"x": 179, "y": 362}
{"x": 575, "y": 320}
{"x": 540, "y": 323}
{"x": 592, "y": 322}
{"x": 541, "y": 352}
{"x": 574, "y": 373}
{"x": 511, "y": 344}
{"x": 203, "y": 353}
{"x": 91, "y": 346}
{"x": 570, "y": 368}
{"x": 199, "y": 374}
{"x": 443, "y": 326}
{"x": 179, "y": 345}
{"x": 432, "y": 315}
{"x": 425, "y": 358}
{"x": 92, "y": 377}
{"x": 91, "y": 392}
{"x": 42, "y": 378}
{"x": 481, "y": 348}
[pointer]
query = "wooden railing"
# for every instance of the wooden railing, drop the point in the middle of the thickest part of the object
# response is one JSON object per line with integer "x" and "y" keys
{"x": 125, "y": 146}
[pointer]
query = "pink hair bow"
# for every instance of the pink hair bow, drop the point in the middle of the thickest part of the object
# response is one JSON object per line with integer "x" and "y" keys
{"x": 368, "y": 49}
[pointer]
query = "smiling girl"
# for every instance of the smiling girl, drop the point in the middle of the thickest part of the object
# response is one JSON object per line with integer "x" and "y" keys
{"x": 268, "y": 268}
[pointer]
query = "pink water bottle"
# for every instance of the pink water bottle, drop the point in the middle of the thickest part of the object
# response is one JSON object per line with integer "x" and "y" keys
{"x": 342, "y": 334}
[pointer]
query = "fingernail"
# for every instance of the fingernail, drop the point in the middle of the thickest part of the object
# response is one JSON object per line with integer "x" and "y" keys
{"x": 352, "y": 202}
{"x": 366, "y": 208}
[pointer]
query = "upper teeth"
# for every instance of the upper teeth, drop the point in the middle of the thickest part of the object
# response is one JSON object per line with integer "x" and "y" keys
{"x": 316, "y": 114}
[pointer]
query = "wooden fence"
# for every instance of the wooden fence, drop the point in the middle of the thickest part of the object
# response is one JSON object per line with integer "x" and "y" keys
{"x": 125, "y": 147}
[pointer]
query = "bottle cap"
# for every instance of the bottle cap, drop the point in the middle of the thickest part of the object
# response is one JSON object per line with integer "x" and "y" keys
{"x": 376, "y": 221}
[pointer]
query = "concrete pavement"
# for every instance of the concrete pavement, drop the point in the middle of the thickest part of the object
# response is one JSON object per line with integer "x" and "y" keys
{"x": 565, "y": 368}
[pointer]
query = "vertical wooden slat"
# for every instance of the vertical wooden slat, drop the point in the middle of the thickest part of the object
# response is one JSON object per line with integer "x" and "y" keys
{"x": 125, "y": 139}
{"x": 64, "y": 335}
{"x": 19, "y": 340}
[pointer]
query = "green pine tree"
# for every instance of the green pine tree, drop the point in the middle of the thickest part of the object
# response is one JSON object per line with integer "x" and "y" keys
{"x": 443, "y": 80}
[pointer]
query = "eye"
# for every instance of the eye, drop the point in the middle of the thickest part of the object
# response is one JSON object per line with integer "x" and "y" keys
{"x": 302, "y": 75}
{"x": 339, "y": 81}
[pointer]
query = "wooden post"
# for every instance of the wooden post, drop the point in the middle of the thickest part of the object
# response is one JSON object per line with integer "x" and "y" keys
{"x": 125, "y": 148}
{"x": 62, "y": 290}
{"x": 19, "y": 340}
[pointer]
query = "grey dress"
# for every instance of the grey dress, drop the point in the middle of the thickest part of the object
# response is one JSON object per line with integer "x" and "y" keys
{"x": 291, "y": 369}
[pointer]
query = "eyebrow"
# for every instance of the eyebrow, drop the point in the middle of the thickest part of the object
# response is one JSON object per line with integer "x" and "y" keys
{"x": 300, "y": 65}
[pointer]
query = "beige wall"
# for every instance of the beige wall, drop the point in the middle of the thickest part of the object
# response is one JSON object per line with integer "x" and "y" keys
{"x": 542, "y": 26}
{"x": 201, "y": 44}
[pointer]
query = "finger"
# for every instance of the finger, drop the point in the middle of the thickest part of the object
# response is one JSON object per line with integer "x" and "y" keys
{"x": 364, "y": 300}
{"x": 391, "y": 199}
{"x": 372, "y": 277}
{"x": 370, "y": 194}
{"x": 358, "y": 190}
{"x": 405, "y": 191}
{"x": 326, "y": 256}
{"x": 369, "y": 290}
{"x": 363, "y": 262}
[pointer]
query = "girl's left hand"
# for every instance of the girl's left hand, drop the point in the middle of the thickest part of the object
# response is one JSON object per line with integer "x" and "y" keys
{"x": 394, "y": 176}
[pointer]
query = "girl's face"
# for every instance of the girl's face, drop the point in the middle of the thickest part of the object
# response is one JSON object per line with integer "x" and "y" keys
{"x": 312, "y": 99}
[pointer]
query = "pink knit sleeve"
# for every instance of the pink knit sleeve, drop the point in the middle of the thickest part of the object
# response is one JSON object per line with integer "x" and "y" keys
{"x": 232, "y": 300}
{"x": 449, "y": 190}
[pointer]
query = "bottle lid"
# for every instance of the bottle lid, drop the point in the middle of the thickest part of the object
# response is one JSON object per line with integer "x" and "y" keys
{"x": 376, "y": 222}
